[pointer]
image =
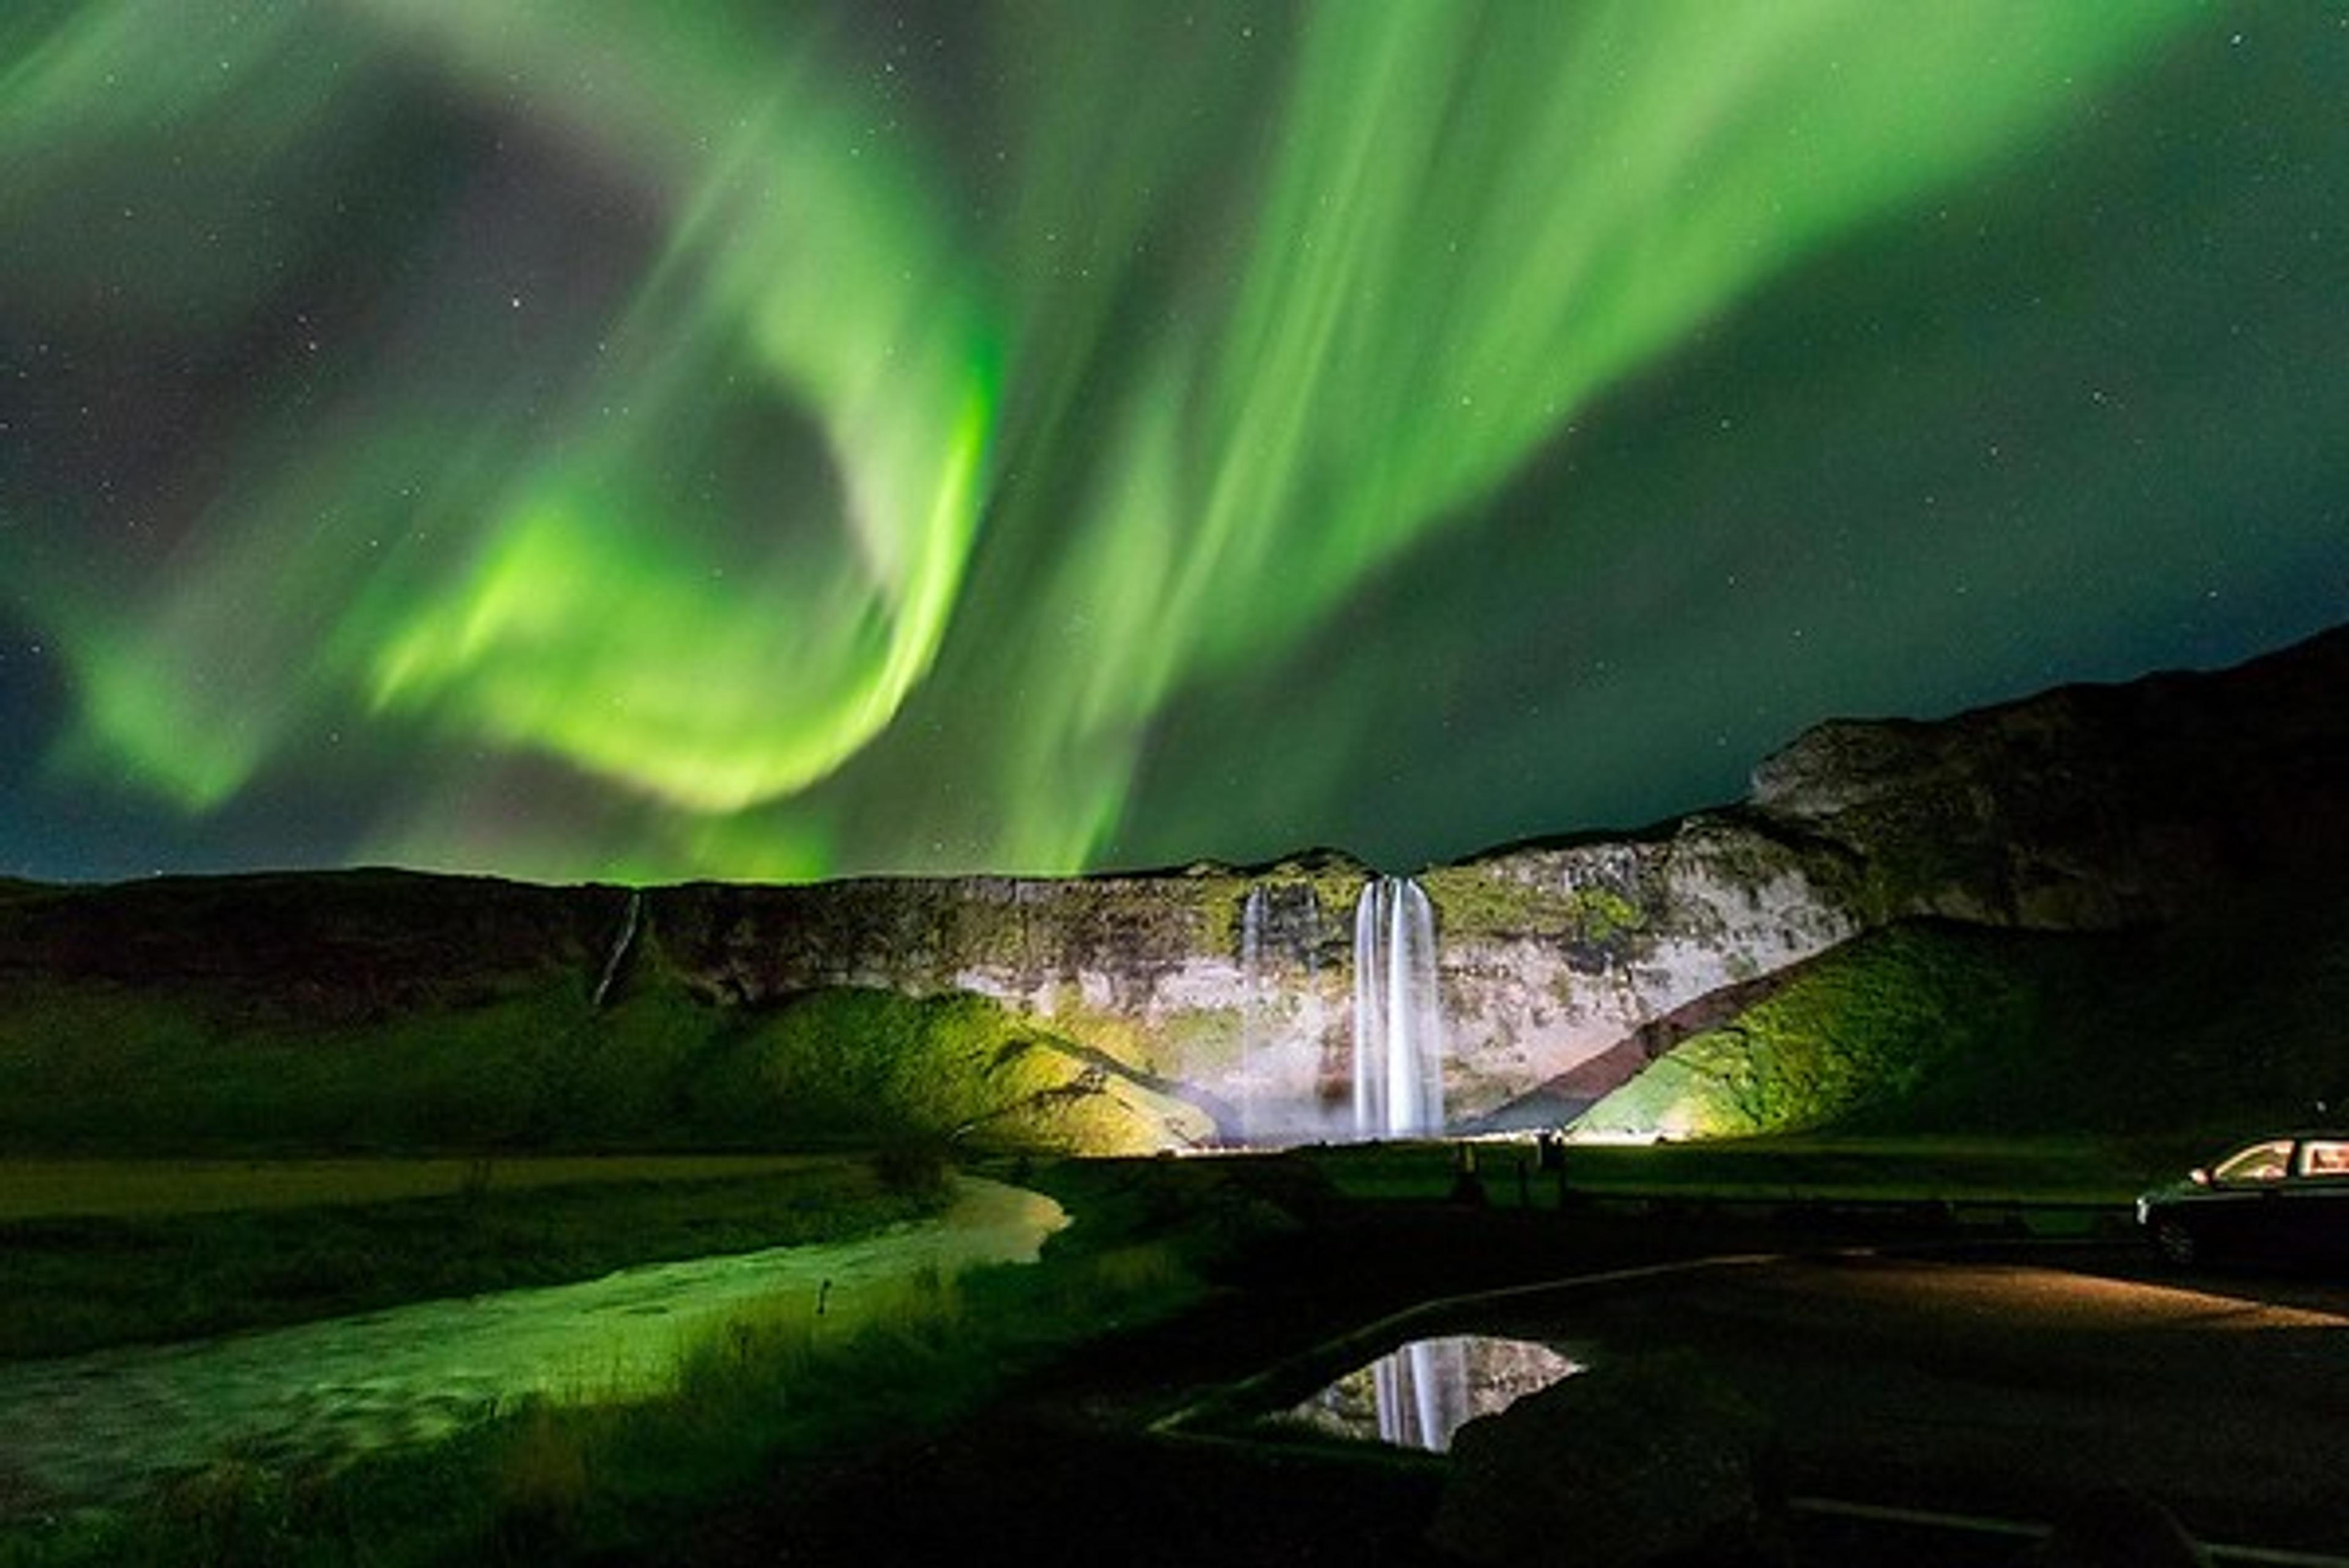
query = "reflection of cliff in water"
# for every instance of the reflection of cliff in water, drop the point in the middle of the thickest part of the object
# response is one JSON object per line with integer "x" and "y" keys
{"x": 1418, "y": 1394}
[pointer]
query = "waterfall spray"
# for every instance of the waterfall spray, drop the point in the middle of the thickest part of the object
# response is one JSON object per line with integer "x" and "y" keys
{"x": 1281, "y": 1015}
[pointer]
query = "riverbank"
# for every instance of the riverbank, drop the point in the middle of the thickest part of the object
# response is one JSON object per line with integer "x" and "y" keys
{"x": 105, "y": 1252}
{"x": 108, "y": 1426}
{"x": 774, "y": 1393}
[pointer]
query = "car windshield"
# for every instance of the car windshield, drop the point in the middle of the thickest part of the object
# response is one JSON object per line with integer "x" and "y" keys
{"x": 2267, "y": 1161}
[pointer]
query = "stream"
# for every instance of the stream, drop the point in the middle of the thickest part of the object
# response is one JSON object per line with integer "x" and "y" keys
{"x": 104, "y": 1425}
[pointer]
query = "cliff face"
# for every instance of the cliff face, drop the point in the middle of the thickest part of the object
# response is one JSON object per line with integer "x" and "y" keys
{"x": 1240, "y": 984}
{"x": 2086, "y": 807}
{"x": 330, "y": 949}
{"x": 1553, "y": 957}
{"x": 1229, "y": 994}
{"x": 2083, "y": 809}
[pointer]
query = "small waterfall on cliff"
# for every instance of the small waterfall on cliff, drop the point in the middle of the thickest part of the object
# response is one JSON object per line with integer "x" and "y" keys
{"x": 1398, "y": 1064}
{"x": 1253, "y": 1007}
{"x": 1280, "y": 938}
{"x": 620, "y": 944}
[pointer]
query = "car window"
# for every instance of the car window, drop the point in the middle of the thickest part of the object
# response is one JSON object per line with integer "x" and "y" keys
{"x": 2260, "y": 1162}
{"x": 2324, "y": 1157}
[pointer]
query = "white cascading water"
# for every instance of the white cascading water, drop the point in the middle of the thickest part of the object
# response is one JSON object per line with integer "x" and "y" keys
{"x": 620, "y": 951}
{"x": 1253, "y": 1005}
{"x": 1398, "y": 1027}
{"x": 1422, "y": 1394}
{"x": 1281, "y": 926}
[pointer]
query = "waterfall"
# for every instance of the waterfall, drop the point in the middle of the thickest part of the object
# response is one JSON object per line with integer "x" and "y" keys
{"x": 1252, "y": 918}
{"x": 613, "y": 959}
{"x": 1421, "y": 1393}
{"x": 1398, "y": 1064}
{"x": 1252, "y": 1006}
{"x": 1281, "y": 1014}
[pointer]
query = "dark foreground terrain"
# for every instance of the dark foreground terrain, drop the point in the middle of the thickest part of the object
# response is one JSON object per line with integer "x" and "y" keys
{"x": 1893, "y": 1391}
{"x": 1789, "y": 1355}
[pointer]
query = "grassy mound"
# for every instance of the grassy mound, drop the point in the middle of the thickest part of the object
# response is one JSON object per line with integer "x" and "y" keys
{"x": 2229, "y": 1020}
{"x": 88, "y": 1066}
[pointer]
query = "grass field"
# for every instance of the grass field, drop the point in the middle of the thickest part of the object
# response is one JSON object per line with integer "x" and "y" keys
{"x": 31, "y": 1189}
{"x": 308, "y": 1247}
{"x": 1895, "y": 1169}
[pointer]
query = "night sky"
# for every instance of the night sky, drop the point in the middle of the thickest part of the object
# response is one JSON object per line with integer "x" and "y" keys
{"x": 600, "y": 439}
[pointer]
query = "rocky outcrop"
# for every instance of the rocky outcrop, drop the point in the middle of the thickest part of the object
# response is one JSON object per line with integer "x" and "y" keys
{"x": 1554, "y": 955}
{"x": 1562, "y": 1100}
{"x": 2086, "y": 807}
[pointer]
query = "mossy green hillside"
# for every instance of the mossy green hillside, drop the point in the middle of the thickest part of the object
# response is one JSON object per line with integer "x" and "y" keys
{"x": 1488, "y": 900}
{"x": 1861, "y": 1028}
{"x": 93, "y": 1067}
{"x": 2229, "y": 1020}
{"x": 859, "y": 1065}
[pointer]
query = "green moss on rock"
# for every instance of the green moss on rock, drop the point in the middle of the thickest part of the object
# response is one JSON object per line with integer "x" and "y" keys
{"x": 1861, "y": 1028}
{"x": 2203, "y": 1030}
{"x": 93, "y": 1066}
{"x": 861, "y": 1064}
{"x": 1492, "y": 900}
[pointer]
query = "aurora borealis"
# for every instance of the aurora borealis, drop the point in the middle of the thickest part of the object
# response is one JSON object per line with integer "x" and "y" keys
{"x": 582, "y": 438}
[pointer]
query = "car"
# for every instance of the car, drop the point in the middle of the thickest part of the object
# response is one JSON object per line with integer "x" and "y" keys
{"x": 2284, "y": 1195}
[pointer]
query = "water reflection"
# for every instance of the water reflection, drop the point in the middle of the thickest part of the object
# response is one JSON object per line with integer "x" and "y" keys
{"x": 1418, "y": 1394}
{"x": 107, "y": 1423}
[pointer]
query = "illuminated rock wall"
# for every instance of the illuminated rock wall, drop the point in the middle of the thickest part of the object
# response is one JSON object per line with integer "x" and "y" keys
{"x": 2082, "y": 809}
{"x": 1546, "y": 958}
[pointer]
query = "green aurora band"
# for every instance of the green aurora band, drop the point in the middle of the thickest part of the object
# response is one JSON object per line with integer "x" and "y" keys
{"x": 1215, "y": 317}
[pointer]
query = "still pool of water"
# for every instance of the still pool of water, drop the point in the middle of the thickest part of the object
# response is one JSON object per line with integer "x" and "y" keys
{"x": 105, "y": 1424}
{"x": 1417, "y": 1395}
